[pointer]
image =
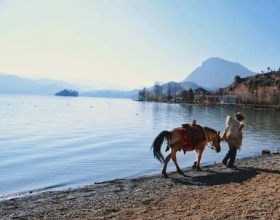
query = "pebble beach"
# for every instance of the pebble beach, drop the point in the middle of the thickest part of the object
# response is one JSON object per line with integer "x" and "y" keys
{"x": 251, "y": 191}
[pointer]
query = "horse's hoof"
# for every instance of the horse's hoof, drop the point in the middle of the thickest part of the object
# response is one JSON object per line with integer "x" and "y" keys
{"x": 164, "y": 174}
{"x": 181, "y": 172}
{"x": 198, "y": 168}
{"x": 194, "y": 165}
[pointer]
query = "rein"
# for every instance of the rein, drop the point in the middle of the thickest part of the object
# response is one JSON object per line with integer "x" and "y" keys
{"x": 212, "y": 148}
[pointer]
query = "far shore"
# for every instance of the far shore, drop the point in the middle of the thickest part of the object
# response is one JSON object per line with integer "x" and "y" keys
{"x": 248, "y": 106}
{"x": 251, "y": 106}
{"x": 231, "y": 105}
{"x": 249, "y": 192}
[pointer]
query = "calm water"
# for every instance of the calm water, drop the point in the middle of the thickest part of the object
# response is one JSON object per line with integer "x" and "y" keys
{"x": 52, "y": 143}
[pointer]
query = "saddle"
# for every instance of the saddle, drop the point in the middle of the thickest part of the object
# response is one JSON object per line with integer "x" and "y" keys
{"x": 191, "y": 136}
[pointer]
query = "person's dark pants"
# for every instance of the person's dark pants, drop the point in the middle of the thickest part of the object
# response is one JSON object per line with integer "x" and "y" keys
{"x": 231, "y": 155}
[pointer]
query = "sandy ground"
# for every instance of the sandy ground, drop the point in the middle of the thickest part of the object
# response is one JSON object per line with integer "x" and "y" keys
{"x": 252, "y": 191}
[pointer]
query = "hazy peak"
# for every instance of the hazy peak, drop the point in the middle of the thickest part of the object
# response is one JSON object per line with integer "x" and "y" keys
{"x": 216, "y": 72}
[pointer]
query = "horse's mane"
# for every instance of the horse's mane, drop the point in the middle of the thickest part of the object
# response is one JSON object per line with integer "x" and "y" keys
{"x": 211, "y": 129}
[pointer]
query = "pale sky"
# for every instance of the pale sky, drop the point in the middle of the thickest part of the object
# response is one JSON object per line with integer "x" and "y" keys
{"x": 131, "y": 44}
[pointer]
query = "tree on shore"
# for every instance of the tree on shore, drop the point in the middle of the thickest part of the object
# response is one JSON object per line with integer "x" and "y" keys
{"x": 187, "y": 95}
{"x": 237, "y": 79}
{"x": 169, "y": 92}
{"x": 191, "y": 95}
{"x": 157, "y": 90}
{"x": 184, "y": 94}
{"x": 142, "y": 94}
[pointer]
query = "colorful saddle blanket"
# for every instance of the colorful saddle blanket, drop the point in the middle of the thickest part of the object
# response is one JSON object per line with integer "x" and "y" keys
{"x": 191, "y": 136}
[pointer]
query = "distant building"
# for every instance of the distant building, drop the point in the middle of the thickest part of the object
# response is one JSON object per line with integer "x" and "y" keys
{"x": 199, "y": 95}
{"x": 229, "y": 99}
{"x": 201, "y": 92}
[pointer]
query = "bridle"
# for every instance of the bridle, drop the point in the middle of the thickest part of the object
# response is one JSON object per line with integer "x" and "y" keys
{"x": 212, "y": 147}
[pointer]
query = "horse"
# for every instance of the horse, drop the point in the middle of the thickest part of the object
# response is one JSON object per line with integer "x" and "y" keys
{"x": 185, "y": 138}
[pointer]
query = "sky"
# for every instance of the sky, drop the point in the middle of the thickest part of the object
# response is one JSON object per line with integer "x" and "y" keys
{"x": 131, "y": 44}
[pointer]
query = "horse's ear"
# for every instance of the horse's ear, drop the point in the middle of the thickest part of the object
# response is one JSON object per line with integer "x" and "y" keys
{"x": 219, "y": 133}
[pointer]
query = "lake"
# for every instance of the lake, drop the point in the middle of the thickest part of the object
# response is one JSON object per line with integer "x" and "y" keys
{"x": 53, "y": 143}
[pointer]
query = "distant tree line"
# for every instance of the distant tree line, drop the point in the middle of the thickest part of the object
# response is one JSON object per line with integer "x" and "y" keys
{"x": 173, "y": 93}
{"x": 187, "y": 95}
{"x": 67, "y": 92}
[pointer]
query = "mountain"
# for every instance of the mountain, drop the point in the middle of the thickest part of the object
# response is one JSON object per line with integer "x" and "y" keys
{"x": 16, "y": 85}
{"x": 175, "y": 86}
{"x": 13, "y": 84}
{"x": 216, "y": 73}
{"x": 45, "y": 81}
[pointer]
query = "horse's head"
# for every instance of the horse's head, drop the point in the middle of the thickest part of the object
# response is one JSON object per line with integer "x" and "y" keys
{"x": 214, "y": 138}
{"x": 216, "y": 142}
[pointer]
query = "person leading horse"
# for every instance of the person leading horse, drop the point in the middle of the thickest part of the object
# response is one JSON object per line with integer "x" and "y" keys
{"x": 233, "y": 136}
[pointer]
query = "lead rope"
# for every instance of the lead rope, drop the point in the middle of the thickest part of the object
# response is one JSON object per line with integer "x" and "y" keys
{"x": 210, "y": 147}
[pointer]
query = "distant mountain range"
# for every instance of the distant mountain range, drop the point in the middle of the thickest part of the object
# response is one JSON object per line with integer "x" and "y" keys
{"x": 179, "y": 85}
{"x": 213, "y": 74}
{"x": 16, "y": 85}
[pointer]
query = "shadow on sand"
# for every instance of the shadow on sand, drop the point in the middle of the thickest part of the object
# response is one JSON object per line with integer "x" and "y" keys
{"x": 210, "y": 177}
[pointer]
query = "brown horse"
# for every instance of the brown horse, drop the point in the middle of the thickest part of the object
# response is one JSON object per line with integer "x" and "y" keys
{"x": 184, "y": 139}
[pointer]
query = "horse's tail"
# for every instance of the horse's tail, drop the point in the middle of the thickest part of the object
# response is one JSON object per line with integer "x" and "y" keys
{"x": 157, "y": 144}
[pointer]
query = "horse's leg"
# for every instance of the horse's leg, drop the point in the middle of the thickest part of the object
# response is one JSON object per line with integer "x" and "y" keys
{"x": 198, "y": 155}
{"x": 198, "y": 161}
{"x": 194, "y": 164}
{"x": 174, "y": 158}
{"x": 165, "y": 165}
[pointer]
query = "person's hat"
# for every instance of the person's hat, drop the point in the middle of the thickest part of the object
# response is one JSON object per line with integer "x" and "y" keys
{"x": 239, "y": 115}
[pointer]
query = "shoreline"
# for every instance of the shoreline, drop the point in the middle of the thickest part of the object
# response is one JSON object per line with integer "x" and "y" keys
{"x": 260, "y": 107}
{"x": 217, "y": 192}
{"x": 36, "y": 191}
{"x": 250, "y": 106}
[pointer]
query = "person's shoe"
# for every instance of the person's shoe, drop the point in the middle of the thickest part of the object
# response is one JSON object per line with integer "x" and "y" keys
{"x": 225, "y": 163}
{"x": 231, "y": 166}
